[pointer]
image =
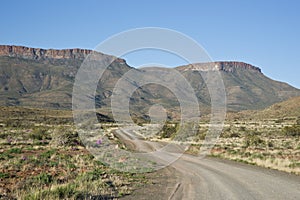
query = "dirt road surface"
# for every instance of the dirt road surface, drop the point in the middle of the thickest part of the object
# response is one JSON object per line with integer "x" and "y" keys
{"x": 191, "y": 177}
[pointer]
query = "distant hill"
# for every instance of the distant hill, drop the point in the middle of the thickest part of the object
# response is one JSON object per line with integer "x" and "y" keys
{"x": 44, "y": 79}
{"x": 286, "y": 109}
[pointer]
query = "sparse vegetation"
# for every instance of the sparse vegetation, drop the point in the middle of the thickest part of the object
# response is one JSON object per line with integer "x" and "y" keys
{"x": 42, "y": 157}
{"x": 272, "y": 143}
{"x": 41, "y": 160}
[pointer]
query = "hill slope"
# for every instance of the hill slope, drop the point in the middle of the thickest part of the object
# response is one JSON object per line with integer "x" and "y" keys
{"x": 287, "y": 109}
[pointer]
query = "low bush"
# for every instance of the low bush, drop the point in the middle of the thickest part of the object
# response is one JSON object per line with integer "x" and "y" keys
{"x": 292, "y": 130}
{"x": 15, "y": 150}
{"x": 15, "y": 123}
{"x": 253, "y": 140}
{"x": 39, "y": 133}
{"x": 44, "y": 178}
{"x": 168, "y": 130}
{"x": 4, "y": 175}
{"x": 65, "y": 137}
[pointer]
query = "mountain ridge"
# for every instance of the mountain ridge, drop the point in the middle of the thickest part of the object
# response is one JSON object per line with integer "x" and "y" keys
{"x": 226, "y": 66}
{"x": 42, "y": 54}
{"x": 44, "y": 78}
{"x": 77, "y": 53}
{"x": 39, "y": 53}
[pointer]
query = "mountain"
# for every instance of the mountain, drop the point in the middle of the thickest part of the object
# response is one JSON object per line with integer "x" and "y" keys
{"x": 44, "y": 78}
{"x": 246, "y": 86}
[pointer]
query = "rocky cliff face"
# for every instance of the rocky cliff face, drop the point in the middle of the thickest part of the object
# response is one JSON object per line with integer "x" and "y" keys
{"x": 55, "y": 56}
{"x": 37, "y": 53}
{"x": 225, "y": 66}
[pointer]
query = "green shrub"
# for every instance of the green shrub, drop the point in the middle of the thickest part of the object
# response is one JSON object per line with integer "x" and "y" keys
{"x": 63, "y": 136}
{"x": 202, "y": 135}
{"x": 292, "y": 130}
{"x": 4, "y": 175}
{"x": 169, "y": 130}
{"x": 234, "y": 134}
{"x": 39, "y": 133}
{"x": 270, "y": 144}
{"x": 15, "y": 150}
{"x": 47, "y": 154}
{"x": 295, "y": 165}
{"x": 5, "y": 156}
{"x": 61, "y": 192}
{"x": 64, "y": 192}
{"x": 53, "y": 164}
{"x": 93, "y": 175}
{"x": 298, "y": 121}
{"x": 44, "y": 178}
{"x": 13, "y": 123}
{"x": 242, "y": 128}
{"x": 279, "y": 121}
{"x": 4, "y": 135}
{"x": 253, "y": 140}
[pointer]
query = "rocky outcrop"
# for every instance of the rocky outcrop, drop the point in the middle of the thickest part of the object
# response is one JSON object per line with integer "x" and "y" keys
{"x": 37, "y": 53}
{"x": 44, "y": 54}
{"x": 225, "y": 66}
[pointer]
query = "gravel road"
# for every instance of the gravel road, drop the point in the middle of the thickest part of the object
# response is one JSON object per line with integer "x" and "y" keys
{"x": 210, "y": 178}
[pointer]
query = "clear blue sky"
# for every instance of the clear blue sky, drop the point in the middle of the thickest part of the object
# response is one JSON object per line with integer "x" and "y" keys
{"x": 263, "y": 33}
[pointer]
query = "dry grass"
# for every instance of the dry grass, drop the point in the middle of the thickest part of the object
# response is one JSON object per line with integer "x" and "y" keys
{"x": 46, "y": 160}
{"x": 265, "y": 143}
